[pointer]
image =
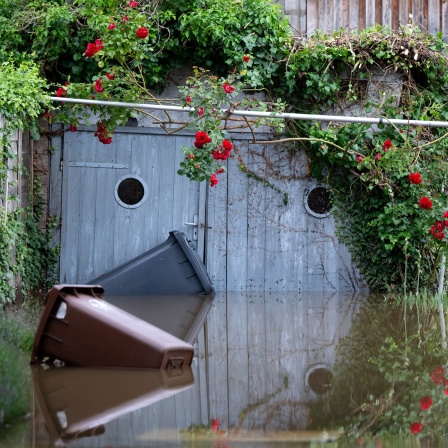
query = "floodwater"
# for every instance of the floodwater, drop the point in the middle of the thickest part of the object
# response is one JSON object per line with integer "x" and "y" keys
{"x": 270, "y": 370}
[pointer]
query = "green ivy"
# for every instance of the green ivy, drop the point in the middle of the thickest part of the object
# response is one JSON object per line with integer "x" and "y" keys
{"x": 375, "y": 204}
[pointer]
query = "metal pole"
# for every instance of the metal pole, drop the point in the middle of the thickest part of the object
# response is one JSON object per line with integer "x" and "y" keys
{"x": 254, "y": 113}
{"x": 441, "y": 313}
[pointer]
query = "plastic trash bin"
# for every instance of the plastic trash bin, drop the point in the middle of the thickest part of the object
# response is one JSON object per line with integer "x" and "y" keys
{"x": 171, "y": 268}
{"x": 78, "y": 327}
{"x": 77, "y": 401}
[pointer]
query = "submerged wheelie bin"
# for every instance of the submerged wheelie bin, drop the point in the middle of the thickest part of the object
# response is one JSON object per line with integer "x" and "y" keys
{"x": 78, "y": 327}
{"x": 171, "y": 268}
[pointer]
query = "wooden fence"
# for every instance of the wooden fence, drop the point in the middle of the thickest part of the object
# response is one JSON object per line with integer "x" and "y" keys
{"x": 306, "y": 16}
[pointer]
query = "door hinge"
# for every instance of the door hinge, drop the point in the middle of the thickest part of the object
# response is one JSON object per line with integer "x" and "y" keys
{"x": 61, "y": 165}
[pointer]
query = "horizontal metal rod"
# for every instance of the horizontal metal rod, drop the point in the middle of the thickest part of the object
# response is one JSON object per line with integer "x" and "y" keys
{"x": 253, "y": 113}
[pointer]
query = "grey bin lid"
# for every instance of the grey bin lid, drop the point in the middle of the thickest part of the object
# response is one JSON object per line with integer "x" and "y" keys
{"x": 171, "y": 268}
{"x": 167, "y": 286}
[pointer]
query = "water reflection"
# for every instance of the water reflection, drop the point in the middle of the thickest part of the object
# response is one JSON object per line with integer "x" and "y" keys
{"x": 261, "y": 360}
{"x": 286, "y": 369}
{"x": 75, "y": 402}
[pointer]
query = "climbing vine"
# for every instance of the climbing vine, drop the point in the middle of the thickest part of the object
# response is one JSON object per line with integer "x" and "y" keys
{"x": 388, "y": 183}
{"x": 25, "y": 255}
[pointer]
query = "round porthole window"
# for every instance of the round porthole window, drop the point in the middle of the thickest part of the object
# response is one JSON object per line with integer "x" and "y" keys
{"x": 131, "y": 191}
{"x": 318, "y": 202}
{"x": 319, "y": 379}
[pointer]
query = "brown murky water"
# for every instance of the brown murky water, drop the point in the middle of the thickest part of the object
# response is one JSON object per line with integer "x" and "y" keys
{"x": 270, "y": 370}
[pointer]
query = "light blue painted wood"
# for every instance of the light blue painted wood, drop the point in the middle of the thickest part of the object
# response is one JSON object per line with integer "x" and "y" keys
{"x": 97, "y": 232}
{"x": 270, "y": 245}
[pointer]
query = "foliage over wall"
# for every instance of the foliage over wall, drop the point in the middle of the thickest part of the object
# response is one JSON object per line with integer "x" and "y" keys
{"x": 388, "y": 182}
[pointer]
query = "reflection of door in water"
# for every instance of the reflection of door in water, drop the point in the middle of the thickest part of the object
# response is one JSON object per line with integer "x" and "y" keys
{"x": 122, "y": 199}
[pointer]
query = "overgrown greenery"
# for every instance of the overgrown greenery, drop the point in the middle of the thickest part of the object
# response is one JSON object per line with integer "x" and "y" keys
{"x": 17, "y": 328}
{"x": 379, "y": 73}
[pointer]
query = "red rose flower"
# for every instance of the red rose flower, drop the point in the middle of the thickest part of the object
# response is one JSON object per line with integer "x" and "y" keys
{"x": 93, "y": 48}
{"x": 415, "y": 178}
{"x": 133, "y": 4}
{"x": 99, "y": 85}
{"x": 73, "y": 128}
{"x": 246, "y": 58}
{"x": 61, "y": 92}
{"x": 104, "y": 136}
{"x": 125, "y": 19}
{"x": 425, "y": 403}
{"x": 188, "y": 99}
{"x": 425, "y": 203}
{"x": 220, "y": 171}
{"x": 416, "y": 428}
{"x": 191, "y": 156}
{"x": 359, "y": 159}
{"x": 111, "y": 26}
{"x": 445, "y": 391}
{"x": 227, "y": 145}
{"x": 201, "y": 139}
{"x": 214, "y": 181}
{"x": 109, "y": 76}
{"x": 378, "y": 156}
{"x": 440, "y": 225}
{"x": 445, "y": 215}
{"x": 142, "y": 32}
{"x": 227, "y": 88}
{"x": 387, "y": 144}
{"x": 200, "y": 111}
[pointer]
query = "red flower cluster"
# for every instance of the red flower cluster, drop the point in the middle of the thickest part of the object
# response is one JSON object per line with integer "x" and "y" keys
{"x": 93, "y": 48}
{"x": 104, "y": 136}
{"x": 61, "y": 92}
{"x": 99, "y": 85}
{"x": 201, "y": 139}
{"x": 227, "y": 88}
{"x": 214, "y": 424}
{"x": 425, "y": 403}
{"x": 437, "y": 230}
{"x": 387, "y": 144}
{"x": 425, "y": 203}
{"x": 437, "y": 375}
{"x": 415, "y": 178}
{"x": 142, "y": 32}
{"x": 416, "y": 428}
{"x": 222, "y": 153}
{"x": 213, "y": 180}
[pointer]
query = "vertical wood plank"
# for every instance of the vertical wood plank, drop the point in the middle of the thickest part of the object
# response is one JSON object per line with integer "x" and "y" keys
{"x": 217, "y": 366}
{"x": 387, "y": 13}
{"x": 312, "y": 23}
{"x": 435, "y": 16}
{"x": 354, "y": 6}
{"x": 378, "y": 12}
{"x": 237, "y": 224}
{"x": 362, "y": 14}
{"x": 237, "y": 355}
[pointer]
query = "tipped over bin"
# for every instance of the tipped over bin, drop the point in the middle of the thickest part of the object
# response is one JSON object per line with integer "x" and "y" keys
{"x": 78, "y": 327}
{"x": 171, "y": 268}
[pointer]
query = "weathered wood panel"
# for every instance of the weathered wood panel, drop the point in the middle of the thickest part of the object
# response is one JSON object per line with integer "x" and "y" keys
{"x": 271, "y": 242}
{"x": 307, "y": 16}
{"x": 97, "y": 232}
